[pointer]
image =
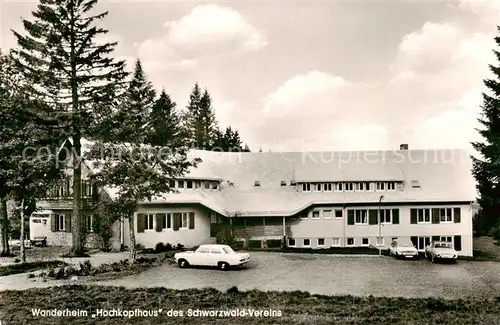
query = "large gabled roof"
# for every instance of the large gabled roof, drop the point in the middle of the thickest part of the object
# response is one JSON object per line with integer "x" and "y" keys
{"x": 442, "y": 175}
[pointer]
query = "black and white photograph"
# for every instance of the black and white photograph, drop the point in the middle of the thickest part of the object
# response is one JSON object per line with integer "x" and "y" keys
{"x": 250, "y": 162}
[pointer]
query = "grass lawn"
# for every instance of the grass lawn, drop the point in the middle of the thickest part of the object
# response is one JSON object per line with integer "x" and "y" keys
{"x": 295, "y": 307}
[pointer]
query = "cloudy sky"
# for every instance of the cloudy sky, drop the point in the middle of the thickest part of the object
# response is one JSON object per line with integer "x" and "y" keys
{"x": 314, "y": 75}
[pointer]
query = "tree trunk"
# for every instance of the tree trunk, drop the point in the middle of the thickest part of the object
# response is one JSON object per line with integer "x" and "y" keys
{"x": 76, "y": 230}
{"x": 77, "y": 159}
{"x": 4, "y": 226}
{"x": 132, "y": 237}
{"x": 21, "y": 248}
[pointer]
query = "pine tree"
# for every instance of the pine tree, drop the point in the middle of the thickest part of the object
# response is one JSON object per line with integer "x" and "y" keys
{"x": 200, "y": 119}
{"x": 229, "y": 141}
{"x": 486, "y": 169}
{"x": 165, "y": 123}
{"x": 133, "y": 115}
{"x": 65, "y": 67}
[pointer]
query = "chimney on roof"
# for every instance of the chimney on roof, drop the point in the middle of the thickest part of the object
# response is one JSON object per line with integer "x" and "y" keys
{"x": 403, "y": 146}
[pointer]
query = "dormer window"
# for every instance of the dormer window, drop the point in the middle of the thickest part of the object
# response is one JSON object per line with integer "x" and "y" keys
{"x": 283, "y": 183}
{"x": 215, "y": 186}
{"x": 293, "y": 183}
{"x": 391, "y": 186}
{"x": 306, "y": 187}
{"x": 415, "y": 184}
{"x": 349, "y": 187}
{"x": 257, "y": 183}
{"x": 317, "y": 187}
{"x": 327, "y": 187}
{"x": 380, "y": 186}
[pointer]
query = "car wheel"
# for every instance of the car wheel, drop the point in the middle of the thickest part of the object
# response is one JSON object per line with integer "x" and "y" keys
{"x": 183, "y": 264}
{"x": 223, "y": 266}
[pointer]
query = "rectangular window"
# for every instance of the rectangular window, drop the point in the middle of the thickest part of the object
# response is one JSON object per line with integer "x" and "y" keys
{"x": 380, "y": 241}
{"x": 391, "y": 186}
{"x": 336, "y": 241}
{"x": 317, "y": 187}
{"x": 385, "y": 216}
{"x": 291, "y": 242}
{"x": 446, "y": 239}
{"x": 338, "y": 214}
{"x": 445, "y": 215}
{"x": 348, "y": 187}
{"x": 207, "y": 185}
{"x": 338, "y": 187}
{"x": 367, "y": 186}
{"x": 380, "y": 186}
{"x": 189, "y": 184}
{"x": 365, "y": 241}
{"x": 304, "y": 215}
{"x": 283, "y": 183}
{"x": 327, "y": 214}
{"x": 424, "y": 215}
{"x": 89, "y": 223}
{"x": 293, "y": 183}
{"x": 422, "y": 242}
{"x": 180, "y": 184}
{"x": 148, "y": 221}
{"x": 167, "y": 223}
{"x": 321, "y": 242}
{"x": 307, "y": 242}
{"x": 327, "y": 187}
{"x": 215, "y": 186}
{"x": 306, "y": 187}
{"x": 315, "y": 214}
{"x": 361, "y": 217}
{"x": 60, "y": 222}
{"x": 213, "y": 218}
{"x": 171, "y": 183}
{"x": 197, "y": 184}
{"x": 350, "y": 241}
{"x": 184, "y": 220}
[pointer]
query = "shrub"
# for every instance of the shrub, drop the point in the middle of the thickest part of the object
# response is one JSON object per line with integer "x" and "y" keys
{"x": 232, "y": 290}
{"x": 17, "y": 260}
{"x": 254, "y": 244}
{"x": 225, "y": 236}
{"x": 139, "y": 247}
{"x": 495, "y": 232}
{"x": 168, "y": 247}
{"x": 159, "y": 248}
{"x": 179, "y": 247}
{"x": 85, "y": 268}
{"x": 274, "y": 243}
{"x": 239, "y": 244}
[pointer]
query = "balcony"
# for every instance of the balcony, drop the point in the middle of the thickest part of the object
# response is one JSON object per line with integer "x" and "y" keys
{"x": 61, "y": 196}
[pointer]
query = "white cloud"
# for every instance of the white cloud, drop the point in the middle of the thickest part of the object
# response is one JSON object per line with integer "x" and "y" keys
{"x": 307, "y": 93}
{"x": 487, "y": 11}
{"x": 205, "y": 32}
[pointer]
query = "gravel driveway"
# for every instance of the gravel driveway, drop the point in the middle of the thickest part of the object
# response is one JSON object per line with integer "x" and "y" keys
{"x": 335, "y": 275}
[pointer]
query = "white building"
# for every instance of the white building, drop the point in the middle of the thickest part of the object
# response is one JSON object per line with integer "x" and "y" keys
{"x": 317, "y": 200}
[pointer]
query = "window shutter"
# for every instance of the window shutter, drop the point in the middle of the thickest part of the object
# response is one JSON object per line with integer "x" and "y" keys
{"x": 191, "y": 220}
{"x": 435, "y": 215}
{"x": 53, "y": 222}
{"x": 96, "y": 224}
{"x": 177, "y": 221}
{"x": 169, "y": 220}
{"x": 395, "y": 216}
{"x": 413, "y": 216}
{"x": 350, "y": 217}
{"x": 414, "y": 240}
{"x": 140, "y": 222}
{"x": 458, "y": 243}
{"x": 67, "y": 221}
{"x": 456, "y": 215}
{"x": 159, "y": 221}
{"x": 372, "y": 217}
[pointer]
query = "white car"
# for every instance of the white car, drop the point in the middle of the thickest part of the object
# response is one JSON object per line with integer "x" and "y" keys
{"x": 403, "y": 248}
{"x": 221, "y": 256}
{"x": 440, "y": 250}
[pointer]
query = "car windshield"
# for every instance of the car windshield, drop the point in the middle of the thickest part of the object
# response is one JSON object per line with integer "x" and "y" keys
{"x": 228, "y": 250}
{"x": 405, "y": 243}
{"x": 442, "y": 245}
